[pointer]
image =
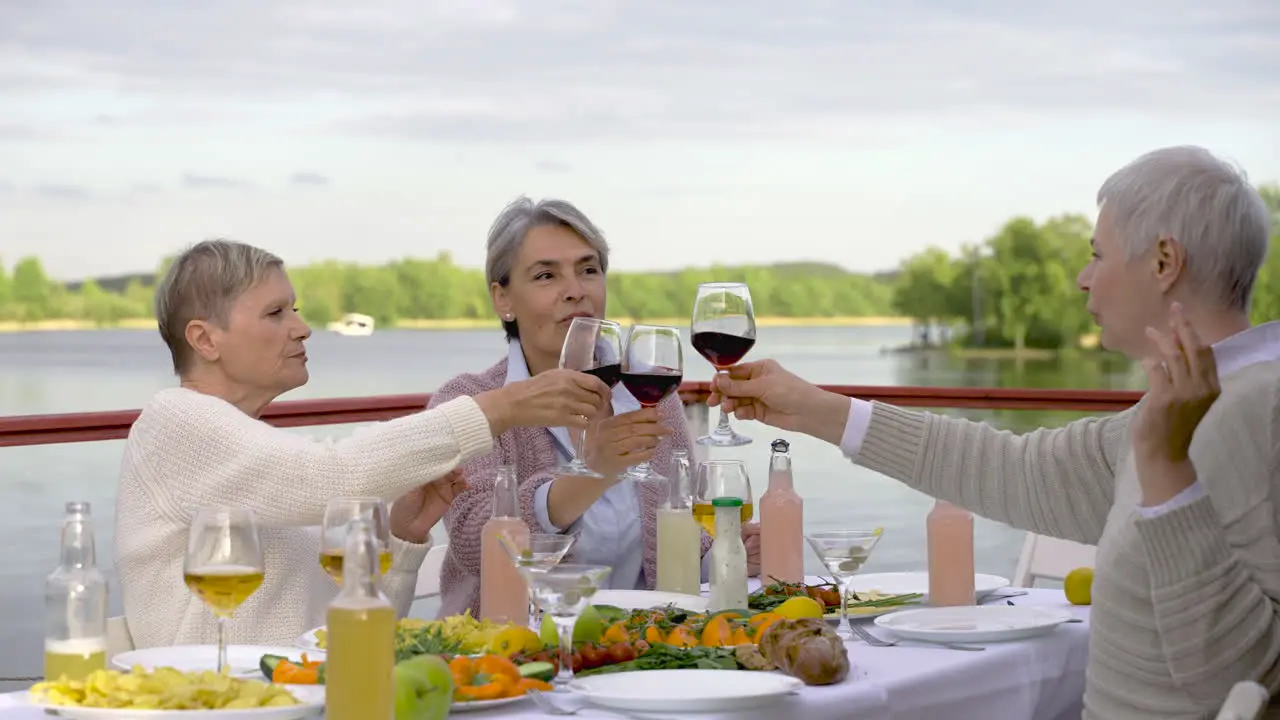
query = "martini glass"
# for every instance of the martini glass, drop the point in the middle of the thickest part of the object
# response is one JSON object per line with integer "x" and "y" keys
{"x": 563, "y": 592}
{"x": 844, "y": 552}
{"x": 536, "y": 551}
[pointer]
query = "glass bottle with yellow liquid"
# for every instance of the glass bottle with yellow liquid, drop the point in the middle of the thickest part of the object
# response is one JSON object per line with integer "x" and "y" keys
{"x": 721, "y": 478}
{"x": 75, "y": 641}
{"x": 360, "y": 665}
{"x": 333, "y": 535}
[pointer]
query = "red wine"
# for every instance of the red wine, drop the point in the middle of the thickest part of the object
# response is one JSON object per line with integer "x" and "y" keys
{"x": 608, "y": 374}
{"x": 651, "y": 388}
{"x": 722, "y": 349}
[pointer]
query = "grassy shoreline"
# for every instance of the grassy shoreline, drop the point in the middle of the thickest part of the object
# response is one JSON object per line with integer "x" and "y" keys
{"x": 462, "y": 323}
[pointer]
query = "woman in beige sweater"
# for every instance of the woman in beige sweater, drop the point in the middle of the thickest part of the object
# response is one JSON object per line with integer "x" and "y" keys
{"x": 1186, "y": 595}
{"x": 226, "y": 311}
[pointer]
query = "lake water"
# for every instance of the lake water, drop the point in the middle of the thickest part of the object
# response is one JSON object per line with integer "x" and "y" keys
{"x": 58, "y": 372}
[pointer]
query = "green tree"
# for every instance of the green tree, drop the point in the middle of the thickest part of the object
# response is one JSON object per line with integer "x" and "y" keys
{"x": 32, "y": 290}
{"x": 926, "y": 288}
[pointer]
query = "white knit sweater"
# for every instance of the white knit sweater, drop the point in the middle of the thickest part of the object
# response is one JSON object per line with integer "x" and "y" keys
{"x": 189, "y": 450}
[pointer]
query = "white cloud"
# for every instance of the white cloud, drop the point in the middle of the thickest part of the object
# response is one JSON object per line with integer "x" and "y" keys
{"x": 534, "y": 70}
{"x": 696, "y": 131}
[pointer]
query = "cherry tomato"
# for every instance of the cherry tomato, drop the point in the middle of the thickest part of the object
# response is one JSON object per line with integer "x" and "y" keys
{"x": 593, "y": 656}
{"x": 621, "y": 652}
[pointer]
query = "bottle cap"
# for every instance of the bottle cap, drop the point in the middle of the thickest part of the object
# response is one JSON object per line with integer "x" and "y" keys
{"x": 726, "y": 502}
{"x": 780, "y": 445}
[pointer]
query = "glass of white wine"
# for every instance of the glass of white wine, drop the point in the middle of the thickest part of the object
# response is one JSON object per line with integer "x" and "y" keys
{"x": 716, "y": 479}
{"x": 333, "y": 535}
{"x": 224, "y": 564}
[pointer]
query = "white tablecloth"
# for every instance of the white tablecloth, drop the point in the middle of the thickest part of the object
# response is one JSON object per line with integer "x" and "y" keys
{"x": 1037, "y": 679}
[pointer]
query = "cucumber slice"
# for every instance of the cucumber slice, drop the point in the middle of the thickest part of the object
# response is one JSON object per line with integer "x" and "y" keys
{"x": 268, "y": 664}
{"x": 544, "y": 671}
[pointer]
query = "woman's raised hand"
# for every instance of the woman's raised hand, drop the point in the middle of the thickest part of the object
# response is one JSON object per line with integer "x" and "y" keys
{"x": 555, "y": 398}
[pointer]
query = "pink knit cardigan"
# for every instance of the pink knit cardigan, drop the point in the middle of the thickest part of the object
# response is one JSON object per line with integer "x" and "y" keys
{"x": 532, "y": 451}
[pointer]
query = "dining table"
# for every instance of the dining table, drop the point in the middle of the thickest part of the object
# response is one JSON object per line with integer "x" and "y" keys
{"x": 1037, "y": 678}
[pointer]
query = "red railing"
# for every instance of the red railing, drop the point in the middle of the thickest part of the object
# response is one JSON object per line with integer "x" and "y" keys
{"x": 114, "y": 425}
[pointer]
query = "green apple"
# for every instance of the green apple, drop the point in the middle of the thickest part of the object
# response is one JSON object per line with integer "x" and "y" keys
{"x": 589, "y": 628}
{"x": 424, "y": 688}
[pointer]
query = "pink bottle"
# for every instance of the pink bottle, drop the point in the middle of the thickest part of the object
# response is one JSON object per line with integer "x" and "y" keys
{"x": 504, "y": 597}
{"x": 950, "y": 531}
{"x": 781, "y": 522}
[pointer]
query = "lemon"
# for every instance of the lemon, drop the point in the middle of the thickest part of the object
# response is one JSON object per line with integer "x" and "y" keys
{"x": 513, "y": 639}
{"x": 800, "y": 607}
{"x": 1078, "y": 586}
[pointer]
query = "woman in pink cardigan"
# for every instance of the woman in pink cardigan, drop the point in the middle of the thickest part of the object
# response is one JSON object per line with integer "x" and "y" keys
{"x": 546, "y": 265}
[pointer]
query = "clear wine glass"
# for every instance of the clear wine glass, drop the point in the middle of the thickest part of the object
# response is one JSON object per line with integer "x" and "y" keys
{"x": 333, "y": 534}
{"x": 537, "y": 551}
{"x": 592, "y": 346}
{"x": 723, "y": 331}
{"x": 224, "y": 565}
{"x": 652, "y": 368}
{"x": 563, "y": 591}
{"x": 844, "y": 552}
{"x": 721, "y": 478}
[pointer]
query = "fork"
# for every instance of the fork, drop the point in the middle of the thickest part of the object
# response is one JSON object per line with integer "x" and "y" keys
{"x": 566, "y": 706}
{"x": 874, "y": 641}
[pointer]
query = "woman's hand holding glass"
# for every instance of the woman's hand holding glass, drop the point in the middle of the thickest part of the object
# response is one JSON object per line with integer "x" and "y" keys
{"x": 621, "y": 441}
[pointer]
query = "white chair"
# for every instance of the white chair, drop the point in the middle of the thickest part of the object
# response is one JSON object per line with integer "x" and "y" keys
{"x": 118, "y": 638}
{"x": 1246, "y": 701}
{"x": 1048, "y": 558}
{"x": 429, "y": 574}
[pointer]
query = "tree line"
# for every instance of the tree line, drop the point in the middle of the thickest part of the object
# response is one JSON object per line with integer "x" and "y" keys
{"x": 1015, "y": 289}
{"x": 438, "y": 289}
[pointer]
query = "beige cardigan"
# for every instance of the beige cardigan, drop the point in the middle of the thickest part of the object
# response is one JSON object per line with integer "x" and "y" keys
{"x": 188, "y": 450}
{"x": 1185, "y": 604}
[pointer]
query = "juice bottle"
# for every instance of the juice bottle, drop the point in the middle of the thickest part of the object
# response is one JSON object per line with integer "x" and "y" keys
{"x": 728, "y": 557}
{"x": 504, "y": 596}
{"x": 360, "y": 665}
{"x": 950, "y": 531}
{"x": 781, "y": 522}
{"x": 75, "y": 598}
{"x": 679, "y": 538}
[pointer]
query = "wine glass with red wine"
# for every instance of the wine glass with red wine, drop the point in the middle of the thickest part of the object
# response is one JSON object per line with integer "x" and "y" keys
{"x": 724, "y": 331}
{"x": 592, "y": 346}
{"x": 652, "y": 368}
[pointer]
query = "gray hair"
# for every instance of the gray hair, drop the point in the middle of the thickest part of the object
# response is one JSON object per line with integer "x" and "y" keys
{"x": 202, "y": 284}
{"x": 508, "y": 231}
{"x": 1204, "y": 203}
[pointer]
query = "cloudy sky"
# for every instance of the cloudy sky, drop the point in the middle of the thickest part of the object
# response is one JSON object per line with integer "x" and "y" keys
{"x": 690, "y": 130}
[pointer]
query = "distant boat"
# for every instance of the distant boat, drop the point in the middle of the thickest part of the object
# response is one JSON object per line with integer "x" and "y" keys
{"x": 353, "y": 324}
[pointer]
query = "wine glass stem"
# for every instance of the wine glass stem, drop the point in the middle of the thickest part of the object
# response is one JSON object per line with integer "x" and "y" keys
{"x": 222, "y": 644}
{"x": 722, "y": 427}
{"x": 564, "y": 628}
{"x": 846, "y": 584}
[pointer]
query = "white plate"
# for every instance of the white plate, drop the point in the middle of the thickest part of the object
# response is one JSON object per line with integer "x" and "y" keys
{"x": 641, "y": 599}
{"x": 476, "y": 705}
{"x": 974, "y": 623}
{"x": 684, "y": 691}
{"x": 311, "y": 697}
{"x": 903, "y": 583}
{"x": 244, "y": 659}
